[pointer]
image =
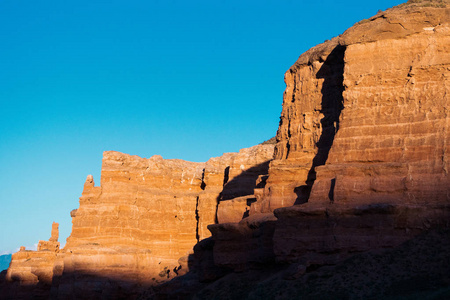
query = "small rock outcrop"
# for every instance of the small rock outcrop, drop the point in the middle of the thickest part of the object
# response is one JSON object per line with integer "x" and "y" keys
{"x": 31, "y": 272}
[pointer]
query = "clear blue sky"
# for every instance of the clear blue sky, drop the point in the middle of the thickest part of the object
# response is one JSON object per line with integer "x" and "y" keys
{"x": 183, "y": 79}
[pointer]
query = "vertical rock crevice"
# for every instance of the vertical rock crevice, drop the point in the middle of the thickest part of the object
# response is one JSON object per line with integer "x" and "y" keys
{"x": 197, "y": 219}
{"x": 203, "y": 184}
{"x": 332, "y": 73}
{"x": 226, "y": 177}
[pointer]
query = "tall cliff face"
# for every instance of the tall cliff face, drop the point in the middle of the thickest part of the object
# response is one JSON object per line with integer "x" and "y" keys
{"x": 143, "y": 220}
{"x": 362, "y": 154}
{"x": 401, "y": 129}
{"x": 312, "y": 104}
{"x": 136, "y": 224}
{"x": 373, "y": 105}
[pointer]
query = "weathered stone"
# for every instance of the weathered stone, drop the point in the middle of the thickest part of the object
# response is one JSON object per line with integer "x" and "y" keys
{"x": 134, "y": 229}
{"x": 230, "y": 176}
{"x": 362, "y": 148}
{"x": 31, "y": 272}
{"x": 379, "y": 95}
{"x": 248, "y": 243}
{"x": 55, "y": 232}
{"x": 393, "y": 141}
{"x": 234, "y": 210}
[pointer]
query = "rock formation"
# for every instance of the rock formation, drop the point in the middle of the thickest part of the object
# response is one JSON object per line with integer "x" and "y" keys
{"x": 388, "y": 163}
{"x": 379, "y": 95}
{"x": 361, "y": 162}
{"x": 140, "y": 225}
{"x": 31, "y": 272}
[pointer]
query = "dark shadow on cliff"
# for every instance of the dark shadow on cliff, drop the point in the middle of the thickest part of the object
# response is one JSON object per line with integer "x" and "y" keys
{"x": 332, "y": 72}
{"x": 203, "y": 273}
{"x": 243, "y": 184}
{"x": 77, "y": 285}
{"x": 415, "y": 269}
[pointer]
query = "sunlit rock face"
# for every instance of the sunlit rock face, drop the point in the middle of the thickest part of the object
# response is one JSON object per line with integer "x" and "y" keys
{"x": 138, "y": 228}
{"x": 362, "y": 154}
{"x": 312, "y": 105}
{"x": 393, "y": 140}
{"x": 230, "y": 182}
{"x": 372, "y": 106}
{"x": 136, "y": 224}
{"x": 148, "y": 213}
{"x": 31, "y": 272}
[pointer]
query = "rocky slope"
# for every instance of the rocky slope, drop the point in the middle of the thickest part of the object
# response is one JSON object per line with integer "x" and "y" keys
{"x": 360, "y": 164}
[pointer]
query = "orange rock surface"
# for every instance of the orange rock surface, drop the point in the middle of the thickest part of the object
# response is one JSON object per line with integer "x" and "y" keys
{"x": 362, "y": 154}
{"x": 136, "y": 227}
{"x": 139, "y": 221}
{"x": 32, "y": 271}
{"x": 379, "y": 95}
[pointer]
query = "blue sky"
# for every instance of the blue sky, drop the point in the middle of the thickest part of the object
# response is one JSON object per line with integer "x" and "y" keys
{"x": 183, "y": 79}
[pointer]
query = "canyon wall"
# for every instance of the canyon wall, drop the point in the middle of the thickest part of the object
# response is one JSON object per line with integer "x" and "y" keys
{"x": 134, "y": 226}
{"x": 139, "y": 226}
{"x": 386, "y": 175}
{"x": 375, "y": 96}
{"x": 362, "y": 159}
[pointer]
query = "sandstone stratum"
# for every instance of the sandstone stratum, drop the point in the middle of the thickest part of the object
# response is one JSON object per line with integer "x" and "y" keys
{"x": 356, "y": 184}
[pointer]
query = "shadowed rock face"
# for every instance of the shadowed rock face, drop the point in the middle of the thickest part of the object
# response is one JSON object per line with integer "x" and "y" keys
{"x": 361, "y": 163}
{"x": 417, "y": 269}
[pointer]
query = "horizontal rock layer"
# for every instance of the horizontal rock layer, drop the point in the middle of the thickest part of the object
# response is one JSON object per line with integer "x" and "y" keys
{"x": 363, "y": 145}
{"x": 131, "y": 231}
{"x": 30, "y": 273}
{"x": 322, "y": 235}
{"x": 379, "y": 95}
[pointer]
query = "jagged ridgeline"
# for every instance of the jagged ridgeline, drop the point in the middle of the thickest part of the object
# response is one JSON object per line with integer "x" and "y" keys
{"x": 426, "y": 3}
{"x": 360, "y": 163}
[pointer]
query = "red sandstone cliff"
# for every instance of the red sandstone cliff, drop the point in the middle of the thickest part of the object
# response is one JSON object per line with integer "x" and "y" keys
{"x": 139, "y": 226}
{"x": 361, "y": 162}
{"x": 362, "y": 154}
